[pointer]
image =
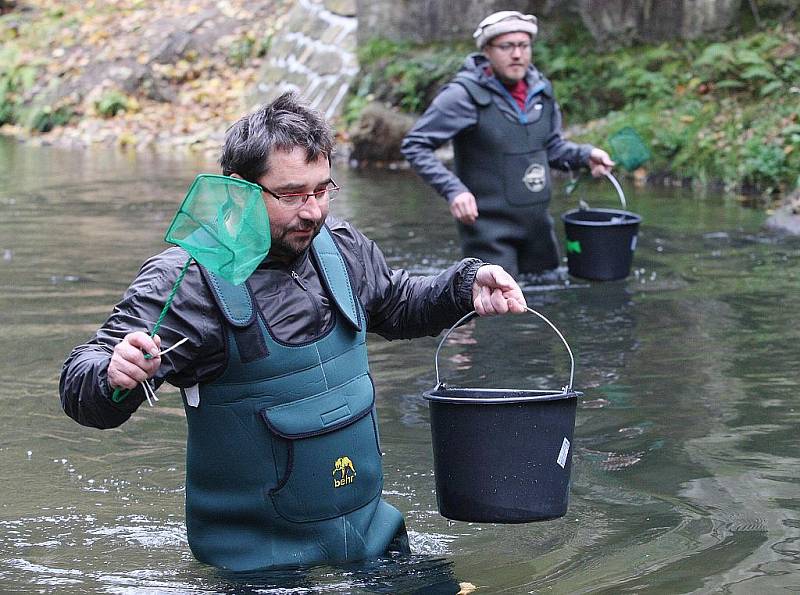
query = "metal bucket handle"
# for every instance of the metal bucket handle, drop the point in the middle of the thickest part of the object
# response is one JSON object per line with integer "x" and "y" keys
{"x": 617, "y": 185}
{"x": 466, "y": 317}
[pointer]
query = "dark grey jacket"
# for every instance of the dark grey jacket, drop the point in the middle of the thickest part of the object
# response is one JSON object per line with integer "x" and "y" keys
{"x": 453, "y": 111}
{"x": 291, "y": 299}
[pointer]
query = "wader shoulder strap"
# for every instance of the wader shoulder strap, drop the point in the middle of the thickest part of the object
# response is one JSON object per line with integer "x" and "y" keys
{"x": 335, "y": 277}
{"x": 234, "y": 301}
{"x": 479, "y": 94}
{"x": 236, "y": 304}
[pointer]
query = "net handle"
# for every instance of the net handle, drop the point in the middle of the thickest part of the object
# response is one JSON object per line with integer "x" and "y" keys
{"x": 466, "y": 317}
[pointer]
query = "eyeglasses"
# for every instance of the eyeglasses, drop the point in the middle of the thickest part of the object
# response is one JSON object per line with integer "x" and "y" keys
{"x": 508, "y": 47}
{"x": 298, "y": 199}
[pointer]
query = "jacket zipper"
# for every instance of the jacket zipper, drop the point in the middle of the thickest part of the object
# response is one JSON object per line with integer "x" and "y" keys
{"x": 313, "y": 301}
{"x": 297, "y": 280}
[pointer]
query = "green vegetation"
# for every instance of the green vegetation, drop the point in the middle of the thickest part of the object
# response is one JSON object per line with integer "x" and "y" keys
{"x": 45, "y": 118}
{"x": 23, "y": 68}
{"x": 712, "y": 111}
{"x": 719, "y": 111}
{"x": 17, "y": 75}
{"x": 242, "y": 50}
{"x": 402, "y": 74}
{"x": 111, "y": 103}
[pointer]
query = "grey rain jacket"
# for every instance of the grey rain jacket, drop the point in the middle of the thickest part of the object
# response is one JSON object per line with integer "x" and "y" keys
{"x": 453, "y": 111}
{"x": 291, "y": 298}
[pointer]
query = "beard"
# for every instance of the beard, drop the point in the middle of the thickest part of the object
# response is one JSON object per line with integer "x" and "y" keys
{"x": 286, "y": 246}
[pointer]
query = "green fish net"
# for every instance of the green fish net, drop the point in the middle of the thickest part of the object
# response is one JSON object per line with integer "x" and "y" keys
{"x": 628, "y": 149}
{"x": 223, "y": 224}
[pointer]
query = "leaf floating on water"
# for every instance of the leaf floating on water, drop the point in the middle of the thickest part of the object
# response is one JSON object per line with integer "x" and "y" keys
{"x": 466, "y": 588}
{"x": 618, "y": 461}
{"x": 595, "y": 403}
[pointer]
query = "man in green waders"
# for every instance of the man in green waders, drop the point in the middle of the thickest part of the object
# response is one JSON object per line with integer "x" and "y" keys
{"x": 505, "y": 124}
{"x": 283, "y": 459}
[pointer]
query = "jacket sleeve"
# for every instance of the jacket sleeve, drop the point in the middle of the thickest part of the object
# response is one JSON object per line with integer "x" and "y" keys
{"x": 451, "y": 112}
{"x": 83, "y": 386}
{"x": 561, "y": 153}
{"x": 398, "y": 305}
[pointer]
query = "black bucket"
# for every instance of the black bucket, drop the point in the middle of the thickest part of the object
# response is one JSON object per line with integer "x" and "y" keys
{"x": 600, "y": 242}
{"x": 502, "y": 455}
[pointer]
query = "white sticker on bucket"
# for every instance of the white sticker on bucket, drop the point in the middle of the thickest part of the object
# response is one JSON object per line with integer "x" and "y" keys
{"x": 562, "y": 456}
{"x": 633, "y": 243}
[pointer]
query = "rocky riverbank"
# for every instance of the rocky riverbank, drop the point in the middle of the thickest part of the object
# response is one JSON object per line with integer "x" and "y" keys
{"x": 155, "y": 74}
{"x": 171, "y": 75}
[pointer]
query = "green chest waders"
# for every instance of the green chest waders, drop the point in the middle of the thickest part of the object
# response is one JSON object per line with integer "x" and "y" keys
{"x": 283, "y": 457}
{"x": 504, "y": 164}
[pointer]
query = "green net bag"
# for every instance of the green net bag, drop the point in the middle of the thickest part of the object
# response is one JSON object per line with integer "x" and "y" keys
{"x": 628, "y": 149}
{"x": 223, "y": 224}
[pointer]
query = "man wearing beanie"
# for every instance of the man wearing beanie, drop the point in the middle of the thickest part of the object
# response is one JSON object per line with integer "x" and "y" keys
{"x": 505, "y": 124}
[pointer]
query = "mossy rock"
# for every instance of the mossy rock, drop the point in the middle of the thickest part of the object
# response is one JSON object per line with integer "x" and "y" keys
{"x": 377, "y": 134}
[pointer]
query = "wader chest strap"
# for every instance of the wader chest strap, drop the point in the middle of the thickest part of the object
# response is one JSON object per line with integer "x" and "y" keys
{"x": 335, "y": 276}
{"x": 236, "y": 303}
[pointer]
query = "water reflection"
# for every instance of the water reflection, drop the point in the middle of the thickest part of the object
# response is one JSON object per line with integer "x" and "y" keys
{"x": 685, "y": 461}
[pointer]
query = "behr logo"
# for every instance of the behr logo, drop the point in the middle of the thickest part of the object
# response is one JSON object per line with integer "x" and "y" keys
{"x": 535, "y": 177}
{"x": 347, "y": 471}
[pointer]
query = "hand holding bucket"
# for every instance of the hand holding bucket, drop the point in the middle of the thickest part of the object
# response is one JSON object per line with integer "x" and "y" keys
{"x": 502, "y": 455}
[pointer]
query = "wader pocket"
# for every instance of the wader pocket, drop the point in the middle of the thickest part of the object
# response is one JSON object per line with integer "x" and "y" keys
{"x": 326, "y": 453}
{"x": 526, "y": 178}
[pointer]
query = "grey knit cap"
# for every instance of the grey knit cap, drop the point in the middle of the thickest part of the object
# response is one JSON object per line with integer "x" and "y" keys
{"x": 504, "y": 21}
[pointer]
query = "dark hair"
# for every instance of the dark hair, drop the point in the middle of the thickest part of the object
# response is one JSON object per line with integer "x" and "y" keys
{"x": 282, "y": 125}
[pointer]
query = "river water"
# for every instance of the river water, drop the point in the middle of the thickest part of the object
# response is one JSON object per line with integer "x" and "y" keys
{"x": 686, "y": 457}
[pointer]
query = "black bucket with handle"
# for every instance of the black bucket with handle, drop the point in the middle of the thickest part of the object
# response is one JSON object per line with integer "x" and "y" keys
{"x": 600, "y": 242}
{"x": 502, "y": 455}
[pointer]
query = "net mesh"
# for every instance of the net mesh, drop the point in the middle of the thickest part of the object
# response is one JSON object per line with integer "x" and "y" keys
{"x": 628, "y": 149}
{"x": 223, "y": 224}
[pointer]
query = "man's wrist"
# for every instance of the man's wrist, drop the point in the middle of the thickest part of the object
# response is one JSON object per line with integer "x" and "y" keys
{"x": 586, "y": 151}
{"x": 453, "y": 194}
{"x": 466, "y": 281}
{"x": 105, "y": 386}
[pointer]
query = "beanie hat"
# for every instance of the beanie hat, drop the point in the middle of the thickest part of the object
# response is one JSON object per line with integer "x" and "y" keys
{"x": 504, "y": 21}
